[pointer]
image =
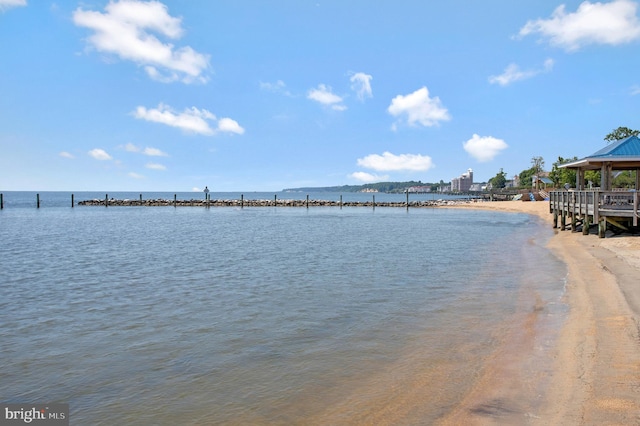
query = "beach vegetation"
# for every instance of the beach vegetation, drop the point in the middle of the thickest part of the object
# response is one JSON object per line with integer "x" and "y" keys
{"x": 559, "y": 176}
{"x": 621, "y": 133}
{"x": 499, "y": 181}
{"x": 537, "y": 165}
{"x": 526, "y": 177}
{"x": 625, "y": 179}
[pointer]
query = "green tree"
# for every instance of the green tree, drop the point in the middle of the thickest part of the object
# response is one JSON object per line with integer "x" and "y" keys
{"x": 625, "y": 179}
{"x": 621, "y": 133}
{"x": 560, "y": 176}
{"x": 526, "y": 177}
{"x": 499, "y": 181}
{"x": 592, "y": 176}
{"x": 537, "y": 165}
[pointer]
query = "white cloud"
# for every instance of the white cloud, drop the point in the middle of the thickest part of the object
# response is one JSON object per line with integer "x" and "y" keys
{"x": 230, "y": 126}
{"x": 192, "y": 120}
{"x": 484, "y": 148}
{"x": 65, "y": 154}
{"x": 128, "y": 29}
{"x": 151, "y": 152}
{"x": 611, "y": 23}
{"x": 361, "y": 84}
{"x": 131, "y": 148}
{"x": 635, "y": 90}
{"x": 325, "y": 96}
{"x": 513, "y": 73}
{"x": 419, "y": 108}
{"x": 277, "y": 87}
{"x": 388, "y": 162}
{"x": 154, "y": 152}
{"x": 155, "y": 166}
{"x": 8, "y": 4}
{"x": 135, "y": 175}
{"x": 100, "y": 154}
{"x": 368, "y": 177}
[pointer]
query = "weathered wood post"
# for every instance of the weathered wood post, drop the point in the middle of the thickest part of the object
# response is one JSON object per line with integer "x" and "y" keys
{"x": 563, "y": 220}
{"x": 585, "y": 225}
{"x": 555, "y": 218}
{"x": 407, "y": 191}
{"x": 141, "y": 198}
{"x": 573, "y": 222}
{"x": 241, "y": 201}
{"x": 106, "y": 200}
{"x": 275, "y": 200}
{"x": 340, "y": 201}
{"x": 1, "y": 201}
{"x": 307, "y": 200}
{"x": 175, "y": 200}
{"x": 374, "y": 202}
{"x": 37, "y": 200}
{"x": 602, "y": 227}
{"x": 72, "y": 201}
{"x": 635, "y": 202}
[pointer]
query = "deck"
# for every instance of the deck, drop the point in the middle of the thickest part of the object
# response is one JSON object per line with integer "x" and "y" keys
{"x": 583, "y": 208}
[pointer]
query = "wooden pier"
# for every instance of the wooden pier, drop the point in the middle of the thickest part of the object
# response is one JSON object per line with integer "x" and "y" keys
{"x": 583, "y": 208}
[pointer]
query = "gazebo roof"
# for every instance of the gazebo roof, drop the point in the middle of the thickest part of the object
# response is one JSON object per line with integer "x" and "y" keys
{"x": 623, "y": 155}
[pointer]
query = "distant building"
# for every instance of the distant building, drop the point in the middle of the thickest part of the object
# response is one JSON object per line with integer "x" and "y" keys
{"x": 478, "y": 187}
{"x": 541, "y": 180}
{"x": 463, "y": 182}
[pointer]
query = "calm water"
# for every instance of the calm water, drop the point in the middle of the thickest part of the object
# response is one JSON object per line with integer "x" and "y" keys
{"x": 165, "y": 315}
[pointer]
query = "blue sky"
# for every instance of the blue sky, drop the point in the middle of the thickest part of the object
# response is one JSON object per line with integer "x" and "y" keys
{"x": 241, "y": 95}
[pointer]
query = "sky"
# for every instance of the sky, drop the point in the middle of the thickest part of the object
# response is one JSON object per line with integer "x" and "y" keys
{"x": 248, "y": 95}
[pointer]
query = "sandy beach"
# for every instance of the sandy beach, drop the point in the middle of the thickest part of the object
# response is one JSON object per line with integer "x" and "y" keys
{"x": 594, "y": 372}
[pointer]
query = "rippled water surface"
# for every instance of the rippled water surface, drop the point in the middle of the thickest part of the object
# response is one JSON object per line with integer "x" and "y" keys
{"x": 165, "y": 315}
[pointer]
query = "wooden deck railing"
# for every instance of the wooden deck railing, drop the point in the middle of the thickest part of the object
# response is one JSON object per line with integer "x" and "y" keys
{"x": 595, "y": 206}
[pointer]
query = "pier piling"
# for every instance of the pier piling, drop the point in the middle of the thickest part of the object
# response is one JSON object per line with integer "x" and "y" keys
{"x": 1, "y": 201}
{"x": 38, "y": 201}
{"x": 106, "y": 200}
{"x": 241, "y": 201}
{"x": 71, "y": 200}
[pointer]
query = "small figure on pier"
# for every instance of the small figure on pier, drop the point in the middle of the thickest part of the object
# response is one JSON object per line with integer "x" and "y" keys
{"x": 206, "y": 192}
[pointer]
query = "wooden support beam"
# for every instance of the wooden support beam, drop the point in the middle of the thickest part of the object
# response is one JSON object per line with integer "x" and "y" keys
{"x": 585, "y": 225}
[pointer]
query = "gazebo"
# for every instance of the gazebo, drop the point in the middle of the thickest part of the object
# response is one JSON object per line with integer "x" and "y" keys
{"x": 603, "y": 205}
{"x": 621, "y": 155}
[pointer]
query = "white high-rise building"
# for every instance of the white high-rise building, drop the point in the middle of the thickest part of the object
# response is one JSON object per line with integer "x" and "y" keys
{"x": 463, "y": 182}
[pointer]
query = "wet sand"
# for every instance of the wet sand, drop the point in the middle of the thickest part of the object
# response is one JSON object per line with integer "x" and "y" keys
{"x": 593, "y": 371}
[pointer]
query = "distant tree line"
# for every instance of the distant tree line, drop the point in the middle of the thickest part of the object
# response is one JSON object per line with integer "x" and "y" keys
{"x": 388, "y": 187}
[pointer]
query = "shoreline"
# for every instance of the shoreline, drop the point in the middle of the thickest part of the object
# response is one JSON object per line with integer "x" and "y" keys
{"x": 594, "y": 376}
